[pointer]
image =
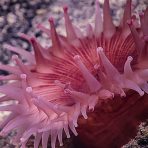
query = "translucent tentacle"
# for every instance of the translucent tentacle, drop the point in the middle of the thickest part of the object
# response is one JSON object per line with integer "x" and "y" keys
{"x": 98, "y": 21}
{"x": 109, "y": 28}
{"x": 93, "y": 84}
{"x": 45, "y": 136}
{"x": 126, "y": 17}
{"x": 71, "y": 35}
{"x": 37, "y": 140}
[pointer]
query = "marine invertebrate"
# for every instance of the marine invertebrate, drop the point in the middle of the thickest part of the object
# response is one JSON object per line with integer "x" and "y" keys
{"x": 77, "y": 73}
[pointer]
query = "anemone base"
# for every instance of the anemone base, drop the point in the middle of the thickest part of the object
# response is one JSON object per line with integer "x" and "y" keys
{"x": 112, "y": 125}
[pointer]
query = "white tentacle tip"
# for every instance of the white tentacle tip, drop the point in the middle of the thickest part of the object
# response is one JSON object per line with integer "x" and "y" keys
{"x": 15, "y": 57}
{"x": 23, "y": 76}
{"x": 96, "y": 66}
{"x": 67, "y": 91}
{"x": 141, "y": 93}
{"x": 29, "y": 89}
{"x": 85, "y": 117}
{"x": 61, "y": 144}
{"x": 99, "y": 49}
{"x": 56, "y": 82}
{"x": 123, "y": 94}
{"x": 75, "y": 124}
{"x": 130, "y": 58}
{"x": 76, "y": 57}
{"x": 22, "y": 140}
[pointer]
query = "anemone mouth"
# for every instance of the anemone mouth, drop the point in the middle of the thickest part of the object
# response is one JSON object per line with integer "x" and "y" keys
{"x": 75, "y": 75}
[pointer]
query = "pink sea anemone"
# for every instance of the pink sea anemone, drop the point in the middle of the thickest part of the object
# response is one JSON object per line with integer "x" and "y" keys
{"x": 105, "y": 71}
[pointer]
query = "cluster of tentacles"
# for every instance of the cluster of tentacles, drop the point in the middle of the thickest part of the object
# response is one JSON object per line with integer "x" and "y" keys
{"x": 58, "y": 84}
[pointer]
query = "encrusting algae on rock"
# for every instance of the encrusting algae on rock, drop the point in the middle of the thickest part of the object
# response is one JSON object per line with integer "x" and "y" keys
{"x": 101, "y": 76}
